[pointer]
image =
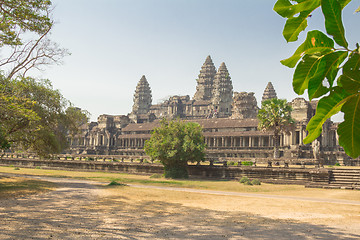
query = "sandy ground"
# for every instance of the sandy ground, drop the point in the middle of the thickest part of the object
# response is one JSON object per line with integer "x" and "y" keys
{"x": 86, "y": 210}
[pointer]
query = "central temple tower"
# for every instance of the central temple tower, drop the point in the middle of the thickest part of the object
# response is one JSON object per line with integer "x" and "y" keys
{"x": 205, "y": 81}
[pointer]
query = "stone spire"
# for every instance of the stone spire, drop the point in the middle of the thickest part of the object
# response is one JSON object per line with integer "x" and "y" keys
{"x": 205, "y": 81}
{"x": 222, "y": 92}
{"x": 244, "y": 106}
{"x": 269, "y": 92}
{"x": 142, "y": 97}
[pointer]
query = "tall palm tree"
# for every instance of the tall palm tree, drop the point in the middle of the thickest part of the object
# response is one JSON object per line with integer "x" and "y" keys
{"x": 275, "y": 116}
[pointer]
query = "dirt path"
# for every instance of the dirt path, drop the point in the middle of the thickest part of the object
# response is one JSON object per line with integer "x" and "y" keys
{"x": 80, "y": 209}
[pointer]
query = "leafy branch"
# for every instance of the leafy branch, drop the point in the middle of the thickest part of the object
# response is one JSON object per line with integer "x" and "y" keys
{"x": 329, "y": 73}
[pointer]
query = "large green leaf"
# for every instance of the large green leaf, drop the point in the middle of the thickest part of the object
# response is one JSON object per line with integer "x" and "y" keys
{"x": 315, "y": 42}
{"x": 287, "y": 10}
{"x": 327, "y": 107}
{"x": 349, "y": 129}
{"x": 315, "y": 86}
{"x": 334, "y": 60}
{"x": 343, "y": 3}
{"x": 303, "y": 72}
{"x": 284, "y": 8}
{"x": 350, "y": 79}
{"x": 333, "y": 22}
{"x": 328, "y": 67}
{"x": 294, "y": 26}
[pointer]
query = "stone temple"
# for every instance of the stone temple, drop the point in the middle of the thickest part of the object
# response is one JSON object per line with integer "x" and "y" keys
{"x": 228, "y": 120}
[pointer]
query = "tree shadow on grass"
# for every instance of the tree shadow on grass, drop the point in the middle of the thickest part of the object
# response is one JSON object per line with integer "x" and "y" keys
{"x": 74, "y": 212}
{"x": 162, "y": 220}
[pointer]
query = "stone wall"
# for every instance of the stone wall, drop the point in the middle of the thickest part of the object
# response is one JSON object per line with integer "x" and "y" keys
{"x": 272, "y": 175}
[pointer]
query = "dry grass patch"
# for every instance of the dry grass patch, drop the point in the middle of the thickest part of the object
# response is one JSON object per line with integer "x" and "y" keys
{"x": 218, "y": 185}
{"x": 14, "y": 187}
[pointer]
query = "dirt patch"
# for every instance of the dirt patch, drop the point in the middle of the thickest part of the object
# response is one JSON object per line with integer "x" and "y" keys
{"x": 86, "y": 210}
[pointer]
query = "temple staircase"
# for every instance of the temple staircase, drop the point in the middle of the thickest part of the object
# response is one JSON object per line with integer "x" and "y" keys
{"x": 340, "y": 179}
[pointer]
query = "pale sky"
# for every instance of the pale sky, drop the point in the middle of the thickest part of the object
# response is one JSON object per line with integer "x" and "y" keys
{"x": 114, "y": 42}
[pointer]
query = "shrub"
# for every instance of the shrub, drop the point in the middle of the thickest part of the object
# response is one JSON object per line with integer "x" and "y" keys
{"x": 247, "y": 183}
{"x": 156, "y": 175}
{"x": 247, "y": 163}
{"x": 337, "y": 164}
{"x": 11, "y": 166}
{"x": 232, "y": 163}
{"x": 256, "y": 182}
{"x": 16, "y": 168}
{"x": 115, "y": 183}
{"x": 244, "y": 180}
{"x": 37, "y": 167}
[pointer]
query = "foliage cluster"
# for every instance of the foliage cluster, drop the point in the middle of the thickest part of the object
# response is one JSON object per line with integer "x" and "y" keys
{"x": 175, "y": 143}
{"x": 247, "y": 163}
{"x": 246, "y": 181}
{"x": 326, "y": 67}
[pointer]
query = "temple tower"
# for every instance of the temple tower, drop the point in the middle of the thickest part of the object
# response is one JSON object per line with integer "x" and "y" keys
{"x": 142, "y": 97}
{"x": 222, "y": 92}
{"x": 205, "y": 81}
{"x": 244, "y": 106}
{"x": 269, "y": 92}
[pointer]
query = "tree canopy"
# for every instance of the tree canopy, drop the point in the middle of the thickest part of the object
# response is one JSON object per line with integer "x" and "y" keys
{"x": 326, "y": 67}
{"x": 33, "y": 116}
{"x": 275, "y": 116}
{"x": 175, "y": 143}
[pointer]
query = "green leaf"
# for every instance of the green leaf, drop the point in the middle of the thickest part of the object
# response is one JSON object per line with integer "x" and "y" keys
{"x": 333, "y": 62}
{"x": 315, "y": 87}
{"x": 327, "y": 67}
{"x": 333, "y": 22}
{"x": 358, "y": 9}
{"x": 284, "y": 8}
{"x": 327, "y": 107}
{"x": 349, "y": 129}
{"x": 287, "y": 10}
{"x": 294, "y": 26}
{"x": 343, "y": 3}
{"x": 315, "y": 42}
{"x": 350, "y": 79}
{"x": 303, "y": 72}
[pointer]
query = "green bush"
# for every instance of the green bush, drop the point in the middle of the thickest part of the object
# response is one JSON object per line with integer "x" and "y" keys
{"x": 337, "y": 164}
{"x": 11, "y": 166}
{"x": 247, "y": 163}
{"x": 247, "y": 183}
{"x": 115, "y": 183}
{"x": 256, "y": 182}
{"x": 37, "y": 167}
{"x": 156, "y": 175}
{"x": 232, "y": 163}
{"x": 16, "y": 168}
{"x": 244, "y": 180}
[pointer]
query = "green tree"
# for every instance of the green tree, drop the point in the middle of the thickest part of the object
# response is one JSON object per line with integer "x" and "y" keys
{"x": 175, "y": 143}
{"x": 21, "y": 16}
{"x": 326, "y": 67}
{"x": 275, "y": 116}
{"x": 36, "y": 117}
{"x": 32, "y": 114}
